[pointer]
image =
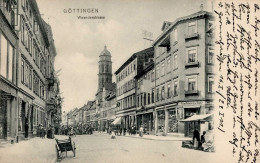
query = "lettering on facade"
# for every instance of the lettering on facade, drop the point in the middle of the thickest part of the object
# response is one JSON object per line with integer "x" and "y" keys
{"x": 193, "y": 103}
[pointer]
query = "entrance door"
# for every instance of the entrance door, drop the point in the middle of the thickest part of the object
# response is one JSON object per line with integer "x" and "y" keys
{"x": 3, "y": 119}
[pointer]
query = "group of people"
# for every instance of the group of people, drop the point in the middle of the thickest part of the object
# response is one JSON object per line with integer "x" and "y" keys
{"x": 77, "y": 130}
{"x": 42, "y": 131}
{"x": 198, "y": 140}
{"x": 122, "y": 131}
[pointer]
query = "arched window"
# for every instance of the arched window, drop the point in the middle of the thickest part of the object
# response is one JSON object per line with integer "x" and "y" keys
{"x": 107, "y": 69}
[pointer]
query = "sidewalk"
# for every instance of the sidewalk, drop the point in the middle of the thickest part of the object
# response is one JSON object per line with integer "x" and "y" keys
{"x": 159, "y": 138}
{"x": 29, "y": 151}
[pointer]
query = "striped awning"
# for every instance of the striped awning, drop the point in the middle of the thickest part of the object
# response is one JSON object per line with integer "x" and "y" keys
{"x": 196, "y": 117}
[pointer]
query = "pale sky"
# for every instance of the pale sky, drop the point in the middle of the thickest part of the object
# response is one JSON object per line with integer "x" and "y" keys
{"x": 79, "y": 42}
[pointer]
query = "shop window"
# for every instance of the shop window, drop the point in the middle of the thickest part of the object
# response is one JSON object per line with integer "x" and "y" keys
{"x": 172, "y": 121}
{"x": 161, "y": 120}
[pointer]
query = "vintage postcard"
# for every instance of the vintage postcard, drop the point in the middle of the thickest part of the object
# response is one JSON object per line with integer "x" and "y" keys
{"x": 125, "y": 81}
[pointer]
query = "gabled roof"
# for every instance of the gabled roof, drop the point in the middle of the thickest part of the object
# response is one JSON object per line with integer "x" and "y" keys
{"x": 178, "y": 20}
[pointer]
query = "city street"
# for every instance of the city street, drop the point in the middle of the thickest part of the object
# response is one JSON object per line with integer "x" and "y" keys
{"x": 99, "y": 148}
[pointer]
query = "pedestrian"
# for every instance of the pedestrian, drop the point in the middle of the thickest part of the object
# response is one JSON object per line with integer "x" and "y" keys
{"x": 121, "y": 131}
{"x": 141, "y": 130}
{"x": 202, "y": 140}
{"x": 196, "y": 138}
{"x": 124, "y": 131}
{"x": 134, "y": 131}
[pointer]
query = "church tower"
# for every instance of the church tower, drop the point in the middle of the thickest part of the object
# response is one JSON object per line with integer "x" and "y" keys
{"x": 105, "y": 68}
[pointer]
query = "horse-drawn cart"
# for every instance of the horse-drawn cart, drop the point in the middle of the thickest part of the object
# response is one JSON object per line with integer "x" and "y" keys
{"x": 64, "y": 146}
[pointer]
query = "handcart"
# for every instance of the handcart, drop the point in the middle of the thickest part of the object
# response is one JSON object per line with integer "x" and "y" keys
{"x": 64, "y": 146}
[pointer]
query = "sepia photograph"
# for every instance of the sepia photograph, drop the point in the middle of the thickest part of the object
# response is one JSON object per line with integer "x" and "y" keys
{"x": 125, "y": 81}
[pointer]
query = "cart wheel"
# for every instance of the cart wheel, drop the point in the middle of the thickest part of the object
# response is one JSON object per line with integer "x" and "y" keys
{"x": 57, "y": 152}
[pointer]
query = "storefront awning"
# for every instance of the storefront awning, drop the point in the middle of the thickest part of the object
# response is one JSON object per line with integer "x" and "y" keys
{"x": 117, "y": 121}
{"x": 196, "y": 117}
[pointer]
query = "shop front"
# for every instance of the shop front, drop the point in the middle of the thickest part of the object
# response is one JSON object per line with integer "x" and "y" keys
{"x": 172, "y": 121}
{"x": 8, "y": 111}
{"x": 145, "y": 118}
{"x": 128, "y": 120}
{"x": 3, "y": 119}
{"x": 160, "y": 121}
{"x": 201, "y": 122}
{"x": 103, "y": 125}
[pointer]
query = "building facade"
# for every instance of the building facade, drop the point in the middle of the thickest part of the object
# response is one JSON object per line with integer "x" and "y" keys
{"x": 27, "y": 59}
{"x": 145, "y": 95}
{"x": 184, "y": 60}
{"x": 125, "y": 82}
{"x": 8, "y": 70}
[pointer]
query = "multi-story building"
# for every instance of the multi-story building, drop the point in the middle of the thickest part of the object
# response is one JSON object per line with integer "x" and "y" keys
{"x": 86, "y": 116}
{"x": 111, "y": 107}
{"x": 93, "y": 120}
{"x": 145, "y": 97}
{"x": 126, "y": 95}
{"x": 184, "y": 59}
{"x": 108, "y": 92}
{"x": 53, "y": 98}
{"x": 72, "y": 117}
{"x": 8, "y": 69}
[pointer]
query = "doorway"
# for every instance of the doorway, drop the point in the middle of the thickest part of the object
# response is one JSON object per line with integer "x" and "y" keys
{"x": 3, "y": 119}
